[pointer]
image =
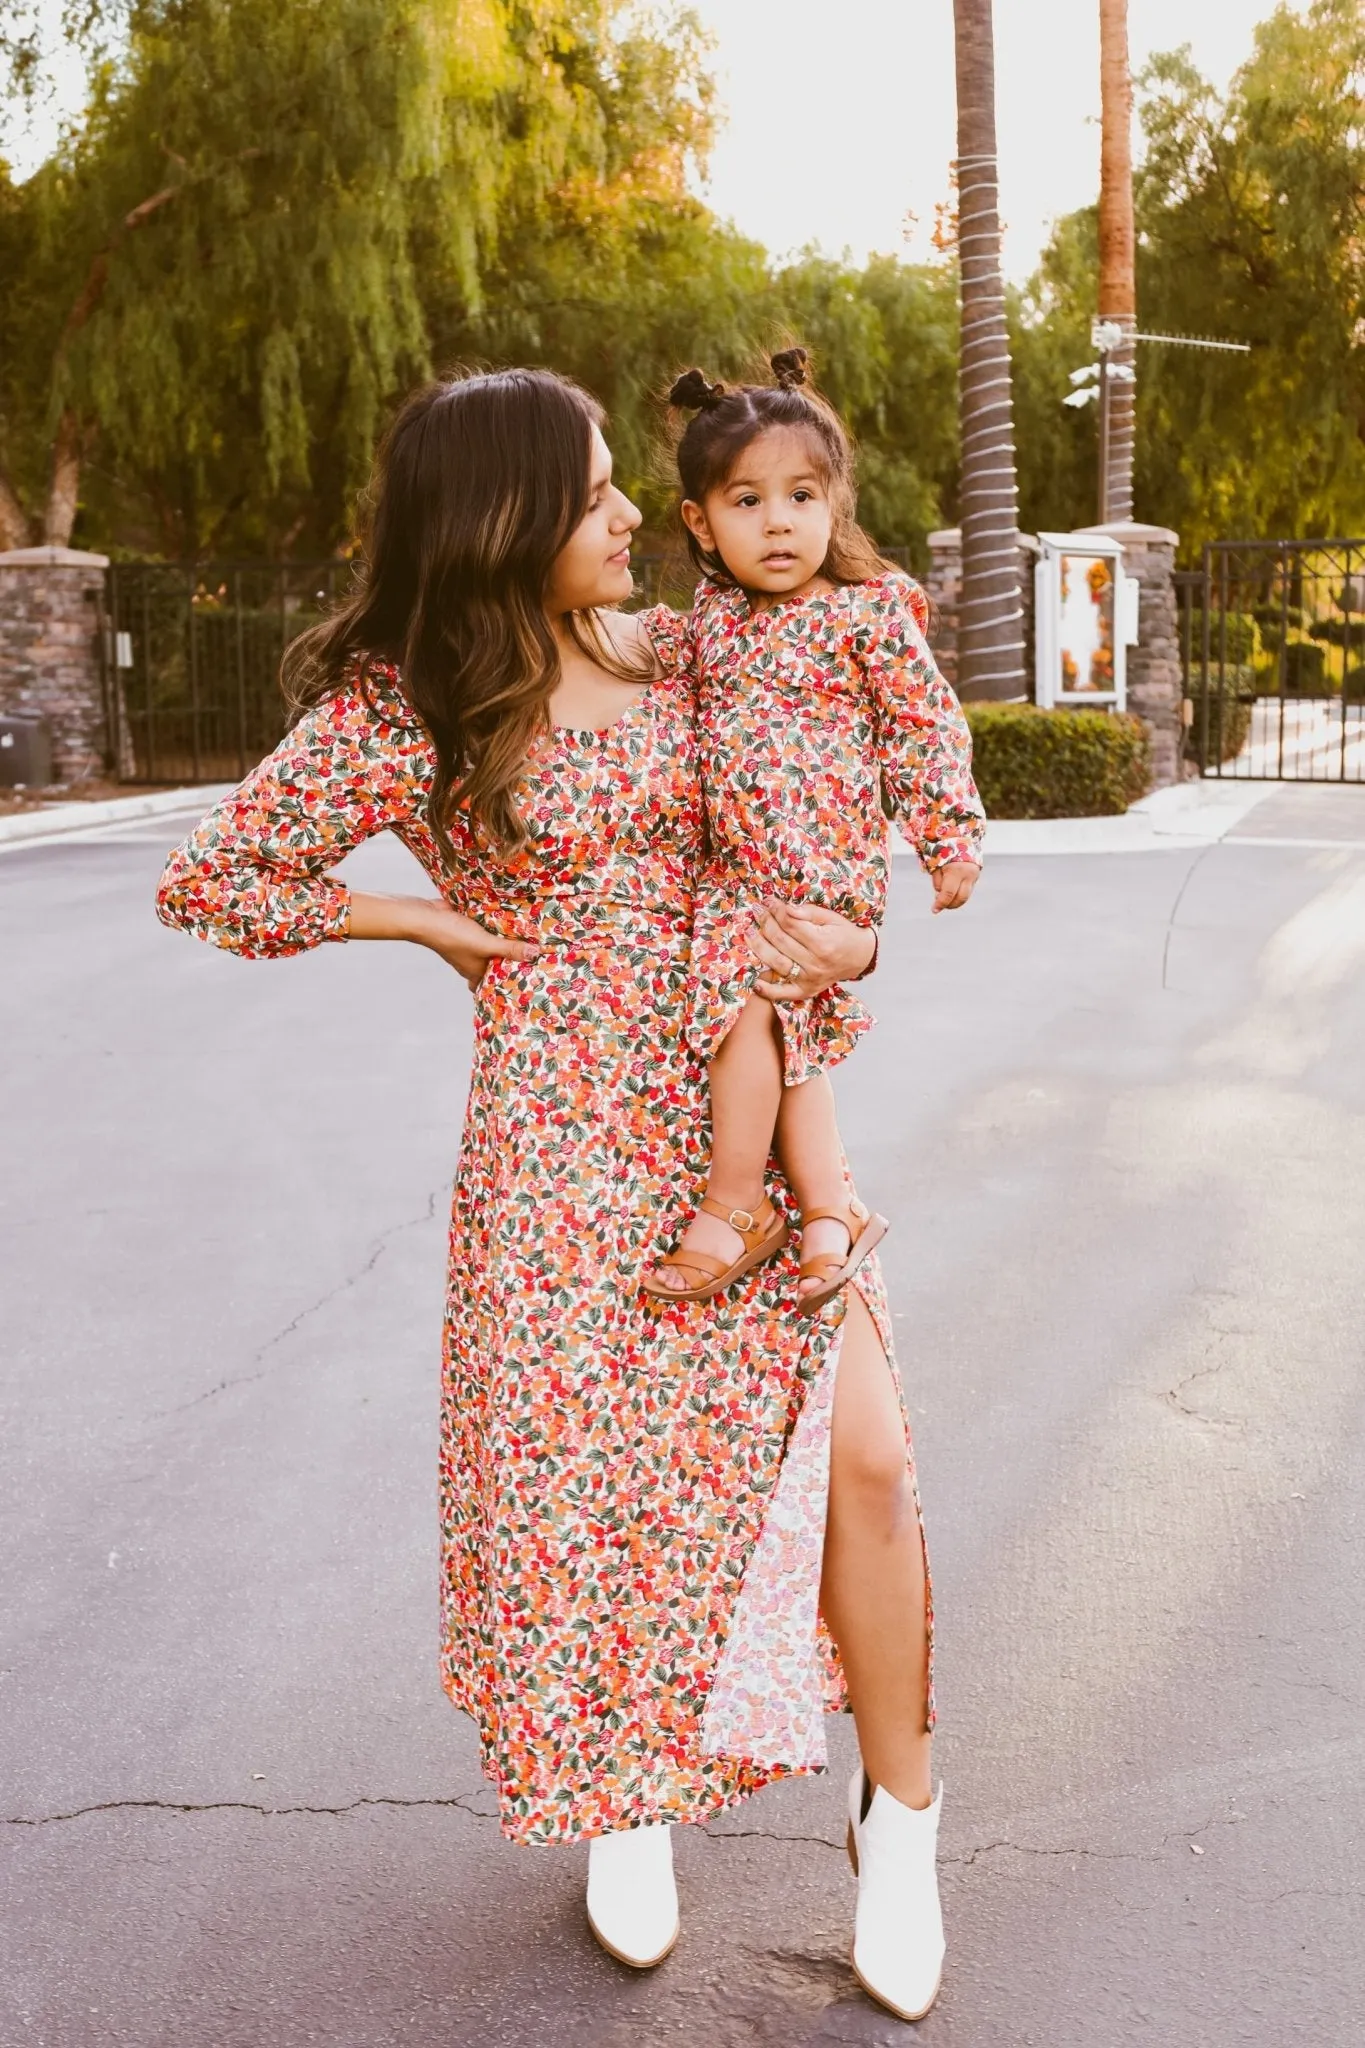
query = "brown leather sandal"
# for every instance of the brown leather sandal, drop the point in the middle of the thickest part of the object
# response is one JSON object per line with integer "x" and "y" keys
{"x": 763, "y": 1232}
{"x": 865, "y": 1232}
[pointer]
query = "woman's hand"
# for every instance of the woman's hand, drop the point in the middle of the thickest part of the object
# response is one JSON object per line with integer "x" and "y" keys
{"x": 429, "y": 921}
{"x": 807, "y": 949}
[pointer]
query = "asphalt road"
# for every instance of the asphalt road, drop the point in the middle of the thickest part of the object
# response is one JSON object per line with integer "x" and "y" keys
{"x": 1117, "y": 1112}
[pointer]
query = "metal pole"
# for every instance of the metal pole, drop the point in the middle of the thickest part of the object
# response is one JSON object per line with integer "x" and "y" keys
{"x": 1105, "y": 381}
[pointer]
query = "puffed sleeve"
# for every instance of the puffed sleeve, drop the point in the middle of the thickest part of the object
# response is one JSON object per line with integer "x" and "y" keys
{"x": 924, "y": 749}
{"x": 673, "y": 637}
{"x": 255, "y": 876}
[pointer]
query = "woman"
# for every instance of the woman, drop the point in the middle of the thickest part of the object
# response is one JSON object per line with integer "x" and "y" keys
{"x": 633, "y": 1493}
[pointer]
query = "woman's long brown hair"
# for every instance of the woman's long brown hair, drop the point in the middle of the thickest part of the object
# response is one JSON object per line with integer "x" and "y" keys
{"x": 480, "y": 482}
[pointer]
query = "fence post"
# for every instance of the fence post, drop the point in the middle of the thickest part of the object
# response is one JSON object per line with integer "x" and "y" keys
{"x": 51, "y": 620}
{"x": 1155, "y": 682}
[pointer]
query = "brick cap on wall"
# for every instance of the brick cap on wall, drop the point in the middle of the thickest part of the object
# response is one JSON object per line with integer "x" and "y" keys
{"x": 946, "y": 537}
{"x": 51, "y": 558}
{"x": 1125, "y": 530}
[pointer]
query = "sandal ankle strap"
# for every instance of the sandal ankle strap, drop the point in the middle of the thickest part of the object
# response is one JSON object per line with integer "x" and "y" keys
{"x": 748, "y": 1222}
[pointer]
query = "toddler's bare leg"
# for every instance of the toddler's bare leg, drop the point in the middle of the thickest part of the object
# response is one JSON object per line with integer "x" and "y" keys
{"x": 813, "y": 1160}
{"x": 746, "y": 1088}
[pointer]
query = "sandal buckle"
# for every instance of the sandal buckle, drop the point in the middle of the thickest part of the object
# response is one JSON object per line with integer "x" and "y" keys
{"x": 742, "y": 1220}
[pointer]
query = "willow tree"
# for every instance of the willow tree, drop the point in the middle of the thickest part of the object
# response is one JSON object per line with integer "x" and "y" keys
{"x": 990, "y": 660}
{"x": 1117, "y": 292}
{"x": 226, "y": 264}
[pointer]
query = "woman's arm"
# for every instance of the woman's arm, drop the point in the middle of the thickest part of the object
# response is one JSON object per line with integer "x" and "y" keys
{"x": 255, "y": 877}
{"x": 429, "y": 921}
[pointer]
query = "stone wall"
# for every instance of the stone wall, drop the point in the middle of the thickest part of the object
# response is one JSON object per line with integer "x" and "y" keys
{"x": 51, "y": 620}
{"x": 1156, "y": 686}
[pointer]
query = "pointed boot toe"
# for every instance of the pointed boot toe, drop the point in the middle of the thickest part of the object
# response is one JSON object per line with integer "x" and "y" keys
{"x": 632, "y": 1898}
{"x": 898, "y": 1944}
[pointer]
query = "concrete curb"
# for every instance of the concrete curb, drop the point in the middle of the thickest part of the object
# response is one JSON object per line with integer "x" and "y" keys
{"x": 59, "y": 820}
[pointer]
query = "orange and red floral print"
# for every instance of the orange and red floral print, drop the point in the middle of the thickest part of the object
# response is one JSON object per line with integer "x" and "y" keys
{"x": 811, "y": 711}
{"x": 607, "y": 1463}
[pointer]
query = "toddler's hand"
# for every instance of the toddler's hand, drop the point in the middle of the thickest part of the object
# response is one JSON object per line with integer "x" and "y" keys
{"x": 954, "y": 884}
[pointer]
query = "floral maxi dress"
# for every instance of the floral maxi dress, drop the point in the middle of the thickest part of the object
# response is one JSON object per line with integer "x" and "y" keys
{"x": 632, "y": 1493}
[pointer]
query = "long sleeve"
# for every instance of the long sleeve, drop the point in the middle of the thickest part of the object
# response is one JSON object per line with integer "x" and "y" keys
{"x": 924, "y": 748}
{"x": 255, "y": 876}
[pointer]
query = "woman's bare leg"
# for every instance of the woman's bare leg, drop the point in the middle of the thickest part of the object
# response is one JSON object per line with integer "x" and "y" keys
{"x": 746, "y": 1089}
{"x": 873, "y": 1592}
{"x": 812, "y": 1157}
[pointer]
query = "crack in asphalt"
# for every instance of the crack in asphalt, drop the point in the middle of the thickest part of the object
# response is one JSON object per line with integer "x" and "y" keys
{"x": 1190, "y": 873}
{"x": 1034, "y": 1849}
{"x": 769, "y": 1835}
{"x": 45, "y": 1820}
{"x": 372, "y": 1258}
{"x": 1173, "y": 1394}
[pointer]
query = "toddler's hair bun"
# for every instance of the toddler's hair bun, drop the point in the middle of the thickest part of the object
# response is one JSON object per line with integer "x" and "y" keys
{"x": 789, "y": 367}
{"x": 694, "y": 393}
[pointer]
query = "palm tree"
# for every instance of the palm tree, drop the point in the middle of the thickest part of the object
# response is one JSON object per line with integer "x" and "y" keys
{"x": 990, "y": 660}
{"x": 1118, "y": 298}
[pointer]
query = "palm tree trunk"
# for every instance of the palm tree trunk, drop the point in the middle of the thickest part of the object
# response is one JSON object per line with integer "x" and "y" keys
{"x": 990, "y": 660}
{"x": 1118, "y": 297}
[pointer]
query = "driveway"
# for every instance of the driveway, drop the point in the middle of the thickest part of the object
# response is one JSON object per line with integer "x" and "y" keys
{"x": 1117, "y": 1112}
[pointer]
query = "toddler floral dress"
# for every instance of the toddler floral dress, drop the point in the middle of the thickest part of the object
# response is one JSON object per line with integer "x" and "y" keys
{"x": 817, "y": 716}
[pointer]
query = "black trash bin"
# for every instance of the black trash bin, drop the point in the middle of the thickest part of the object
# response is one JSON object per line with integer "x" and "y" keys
{"x": 25, "y": 751}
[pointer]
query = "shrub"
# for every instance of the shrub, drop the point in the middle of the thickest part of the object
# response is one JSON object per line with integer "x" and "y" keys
{"x": 1057, "y": 764}
{"x": 1274, "y": 620}
{"x": 1220, "y": 732}
{"x": 1232, "y": 637}
{"x": 1304, "y": 667}
{"x": 1353, "y": 684}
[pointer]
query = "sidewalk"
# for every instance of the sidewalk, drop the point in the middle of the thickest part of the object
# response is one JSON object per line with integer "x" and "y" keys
{"x": 61, "y": 821}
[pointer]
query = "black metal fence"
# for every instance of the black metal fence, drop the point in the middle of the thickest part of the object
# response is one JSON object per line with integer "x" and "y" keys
{"x": 192, "y": 656}
{"x": 1272, "y": 641}
{"x": 192, "y": 662}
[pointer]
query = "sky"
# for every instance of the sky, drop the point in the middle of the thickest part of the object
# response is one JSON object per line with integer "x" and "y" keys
{"x": 840, "y": 113}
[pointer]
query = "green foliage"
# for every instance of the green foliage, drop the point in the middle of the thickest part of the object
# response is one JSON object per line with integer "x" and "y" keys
{"x": 1223, "y": 720}
{"x": 1050, "y": 337}
{"x": 1303, "y": 669}
{"x": 1234, "y": 637}
{"x": 1249, "y": 214}
{"x": 1057, "y": 764}
{"x": 276, "y": 215}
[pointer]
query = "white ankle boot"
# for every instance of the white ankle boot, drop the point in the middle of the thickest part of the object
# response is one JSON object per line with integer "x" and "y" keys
{"x": 632, "y": 1899}
{"x": 898, "y": 1933}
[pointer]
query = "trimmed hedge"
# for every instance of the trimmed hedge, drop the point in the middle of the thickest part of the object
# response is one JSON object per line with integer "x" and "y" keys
{"x": 1057, "y": 764}
{"x": 1220, "y": 733}
{"x": 1305, "y": 669}
{"x": 1233, "y": 637}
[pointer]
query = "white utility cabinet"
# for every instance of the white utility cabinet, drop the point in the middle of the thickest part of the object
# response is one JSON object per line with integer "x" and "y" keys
{"x": 1085, "y": 619}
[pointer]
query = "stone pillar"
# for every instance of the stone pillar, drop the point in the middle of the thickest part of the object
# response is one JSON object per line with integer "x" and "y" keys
{"x": 51, "y": 620}
{"x": 944, "y": 585}
{"x": 1155, "y": 682}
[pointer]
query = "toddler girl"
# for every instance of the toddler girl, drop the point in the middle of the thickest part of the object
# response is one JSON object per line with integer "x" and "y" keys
{"x": 817, "y": 697}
